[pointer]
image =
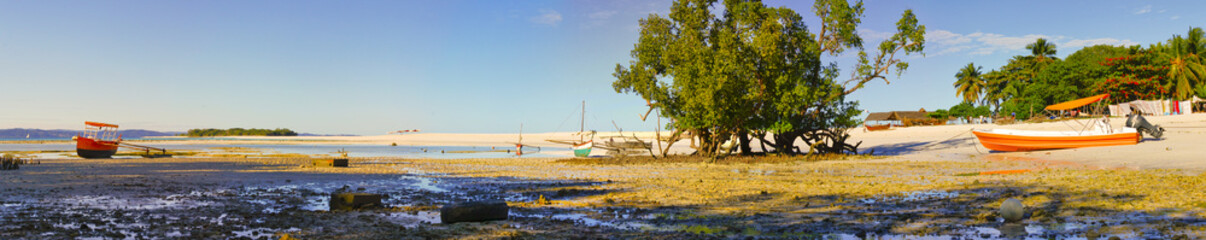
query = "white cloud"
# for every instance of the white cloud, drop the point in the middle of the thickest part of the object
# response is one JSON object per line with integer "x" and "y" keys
{"x": 1008, "y": 43}
{"x": 953, "y": 49}
{"x": 597, "y": 19}
{"x": 547, "y": 17}
{"x": 1144, "y": 10}
{"x": 982, "y": 51}
{"x": 872, "y": 35}
{"x": 1175, "y": 17}
{"x": 981, "y": 43}
{"x": 1097, "y": 41}
{"x": 602, "y": 14}
{"x": 943, "y": 37}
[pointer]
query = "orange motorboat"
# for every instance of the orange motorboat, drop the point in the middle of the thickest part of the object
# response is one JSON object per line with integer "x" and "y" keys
{"x": 99, "y": 140}
{"x": 1096, "y": 133}
{"x": 1008, "y": 140}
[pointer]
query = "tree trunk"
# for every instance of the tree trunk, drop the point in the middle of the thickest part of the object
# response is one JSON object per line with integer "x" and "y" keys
{"x": 785, "y": 142}
{"x": 762, "y": 141}
{"x": 707, "y": 146}
{"x": 744, "y": 137}
{"x": 677, "y": 135}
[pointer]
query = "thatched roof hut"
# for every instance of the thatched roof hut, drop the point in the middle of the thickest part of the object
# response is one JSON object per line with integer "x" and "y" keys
{"x": 898, "y": 115}
{"x": 879, "y": 116}
{"x": 904, "y": 118}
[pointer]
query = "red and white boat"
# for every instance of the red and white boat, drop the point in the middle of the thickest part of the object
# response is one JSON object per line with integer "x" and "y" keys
{"x": 1096, "y": 133}
{"x": 99, "y": 140}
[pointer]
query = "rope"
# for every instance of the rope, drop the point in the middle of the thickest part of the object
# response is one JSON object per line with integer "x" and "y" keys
{"x": 927, "y": 146}
{"x": 977, "y": 146}
{"x": 567, "y": 118}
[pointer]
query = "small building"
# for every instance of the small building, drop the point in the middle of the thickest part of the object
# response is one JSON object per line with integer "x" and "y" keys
{"x": 902, "y": 118}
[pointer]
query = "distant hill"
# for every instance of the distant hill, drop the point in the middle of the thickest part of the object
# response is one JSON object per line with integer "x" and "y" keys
{"x": 18, "y": 133}
{"x": 67, "y": 134}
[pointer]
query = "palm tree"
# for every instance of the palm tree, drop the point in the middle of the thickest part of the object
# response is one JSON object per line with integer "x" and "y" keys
{"x": 994, "y": 86}
{"x": 1185, "y": 68}
{"x": 969, "y": 84}
{"x": 1041, "y": 49}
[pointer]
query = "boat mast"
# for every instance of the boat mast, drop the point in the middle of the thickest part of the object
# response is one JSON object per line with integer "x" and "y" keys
{"x": 582, "y": 126}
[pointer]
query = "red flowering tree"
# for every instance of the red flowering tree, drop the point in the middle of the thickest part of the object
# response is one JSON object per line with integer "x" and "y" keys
{"x": 1130, "y": 89}
{"x": 1134, "y": 77}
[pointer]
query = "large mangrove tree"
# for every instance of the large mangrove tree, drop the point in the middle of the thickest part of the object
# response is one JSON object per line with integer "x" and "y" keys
{"x": 757, "y": 72}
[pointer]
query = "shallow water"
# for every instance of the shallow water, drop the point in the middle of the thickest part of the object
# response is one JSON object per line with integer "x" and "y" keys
{"x": 436, "y": 152}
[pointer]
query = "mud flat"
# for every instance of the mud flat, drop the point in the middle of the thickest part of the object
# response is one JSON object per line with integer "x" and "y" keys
{"x": 681, "y": 198}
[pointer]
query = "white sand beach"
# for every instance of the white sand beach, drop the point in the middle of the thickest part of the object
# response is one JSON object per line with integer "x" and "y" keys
{"x": 1180, "y": 148}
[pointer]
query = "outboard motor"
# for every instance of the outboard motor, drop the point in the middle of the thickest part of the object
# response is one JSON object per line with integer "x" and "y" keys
{"x": 1136, "y": 120}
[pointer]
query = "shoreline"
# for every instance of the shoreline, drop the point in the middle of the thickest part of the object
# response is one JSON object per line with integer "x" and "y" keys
{"x": 1178, "y": 149}
{"x": 936, "y": 175}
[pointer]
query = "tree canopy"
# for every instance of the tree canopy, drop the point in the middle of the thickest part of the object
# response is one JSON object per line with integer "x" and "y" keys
{"x": 1025, "y": 84}
{"x": 969, "y": 84}
{"x": 211, "y": 132}
{"x": 757, "y": 71}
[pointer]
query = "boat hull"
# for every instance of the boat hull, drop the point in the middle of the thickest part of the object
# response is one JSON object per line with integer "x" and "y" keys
{"x": 1015, "y": 141}
{"x": 583, "y": 150}
{"x": 90, "y": 148}
{"x": 877, "y": 127}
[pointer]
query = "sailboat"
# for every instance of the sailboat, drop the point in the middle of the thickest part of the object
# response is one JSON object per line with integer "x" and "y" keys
{"x": 519, "y": 146}
{"x": 582, "y": 146}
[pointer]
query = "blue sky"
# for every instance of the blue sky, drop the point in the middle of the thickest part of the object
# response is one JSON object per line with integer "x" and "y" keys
{"x": 368, "y": 67}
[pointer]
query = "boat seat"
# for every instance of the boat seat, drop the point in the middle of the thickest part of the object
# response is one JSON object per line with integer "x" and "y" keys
{"x": 1101, "y": 125}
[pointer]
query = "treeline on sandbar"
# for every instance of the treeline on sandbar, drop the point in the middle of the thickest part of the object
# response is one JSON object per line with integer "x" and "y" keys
{"x": 211, "y": 132}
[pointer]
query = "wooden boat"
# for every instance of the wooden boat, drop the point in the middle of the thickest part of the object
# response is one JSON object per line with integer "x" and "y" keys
{"x": 99, "y": 140}
{"x": 1008, "y": 140}
{"x": 583, "y": 149}
{"x": 581, "y": 146}
{"x": 877, "y": 127}
{"x": 1096, "y": 133}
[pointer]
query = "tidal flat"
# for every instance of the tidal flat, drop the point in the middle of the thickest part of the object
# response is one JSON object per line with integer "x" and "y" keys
{"x": 556, "y": 198}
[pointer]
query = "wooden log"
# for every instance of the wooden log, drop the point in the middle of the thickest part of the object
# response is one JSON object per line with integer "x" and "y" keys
{"x": 474, "y": 211}
{"x": 352, "y": 201}
{"x": 331, "y": 162}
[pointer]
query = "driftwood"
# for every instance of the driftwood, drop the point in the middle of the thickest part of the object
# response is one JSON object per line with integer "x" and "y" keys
{"x": 627, "y": 145}
{"x": 351, "y": 201}
{"x": 475, "y": 211}
{"x": 10, "y": 163}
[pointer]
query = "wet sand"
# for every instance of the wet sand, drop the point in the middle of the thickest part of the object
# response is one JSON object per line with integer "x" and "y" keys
{"x": 924, "y": 181}
{"x": 640, "y": 198}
